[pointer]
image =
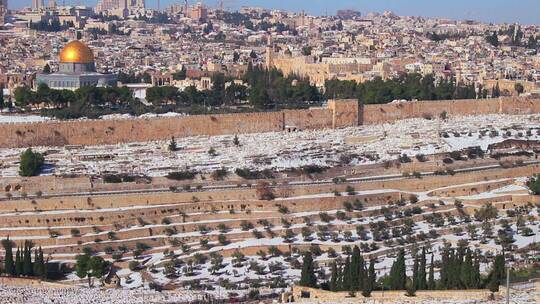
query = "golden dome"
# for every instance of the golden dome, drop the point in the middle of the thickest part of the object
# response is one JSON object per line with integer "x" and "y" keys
{"x": 76, "y": 52}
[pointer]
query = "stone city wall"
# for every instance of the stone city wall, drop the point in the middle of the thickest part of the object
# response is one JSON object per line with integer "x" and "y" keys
{"x": 310, "y": 295}
{"x": 339, "y": 113}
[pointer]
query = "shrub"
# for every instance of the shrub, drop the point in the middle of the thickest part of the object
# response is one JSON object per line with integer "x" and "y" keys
{"x": 350, "y": 190}
{"x": 265, "y": 192}
{"x": 134, "y": 265}
{"x": 181, "y": 175}
{"x": 75, "y": 232}
{"x": 404, "y": 158}
{"x": 421, "y": 158}
{"x": 456, "y": 155}
{"x": 30, "y": 163}
{"x": 220, "y": 174}
{"x": 251, "y": 174}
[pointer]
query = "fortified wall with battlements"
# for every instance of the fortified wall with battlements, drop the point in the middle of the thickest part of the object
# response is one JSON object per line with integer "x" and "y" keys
{"x": 338, "y": 114}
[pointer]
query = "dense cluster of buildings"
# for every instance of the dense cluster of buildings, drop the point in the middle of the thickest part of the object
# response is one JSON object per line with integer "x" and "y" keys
{"x": 3, "y": 11}
{"x": 127, "y": 37}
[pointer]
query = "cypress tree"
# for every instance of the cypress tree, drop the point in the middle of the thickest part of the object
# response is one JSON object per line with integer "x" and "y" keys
{"x": 467, "y": 271}
{"x": 9, "y": 266}
{"x": 431, "y": 280}
{"x": 415, "y": 279}
{"x": 398, "y": 276}
{"x": 346, "y": 281}
{"x": 308, "y": 278}
{"x": 371, "y": 278}
{"x": 476, "y": 280}
{"x": 2, "y": 97}
{"x": 496, "y": 276}
{"x": 43, "y": 267}
{"x": 334, "y": 278}
{"x": 339, "y": 278}
{"x": 27, "y": 259}
{"x": 354, "y": 269}
{"x": 36, "y": 264}
{"x": 422, "y": 284}
{"x": 453, "y": 271}
{"x": 445, "y": 267}
{"x": 362, "y": 273}
{"x": 18, "y": 263}
{"x": 496, "y": 91}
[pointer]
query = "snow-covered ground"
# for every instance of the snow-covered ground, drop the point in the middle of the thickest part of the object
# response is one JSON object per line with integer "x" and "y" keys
{"x": 79, "y": 295}
{"x": 282, "y": 150}
{"x": 280, "y": 268}
{"x": 21, "y": 118}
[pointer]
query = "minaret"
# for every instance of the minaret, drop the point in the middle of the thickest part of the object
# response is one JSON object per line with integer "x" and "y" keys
{"x": 269, "y": 53}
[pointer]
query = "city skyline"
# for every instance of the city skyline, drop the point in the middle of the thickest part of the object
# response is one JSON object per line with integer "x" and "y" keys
{"x": 482, "y": 10}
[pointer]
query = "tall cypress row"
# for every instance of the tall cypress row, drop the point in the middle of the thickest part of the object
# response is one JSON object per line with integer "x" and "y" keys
{"x": 42, "y": 265}
{"x": 308, "y": 278}
{"x": 476, "y": 277}
{"x": 354, "y": 269}
{"x": 431, "y": 279}
{"x": 398, "y": 276}
{"x": 467, "y": 271}
{"x": 9, "y": 265}
{"x": 27, "y": 259}
{"x": 36, "y": 263}
{"x": 422, "y": 283}
{"x": 444, "y": 267}
{"x": 415, "y": 279}
{"x": 370, "y": 279}
{"x": 362, "y": 273}
{"x": 334, "y": 278}
{"x": 496, "y": 276}
{"x": 346, "y": 282}
{"x": 18, "y": 263}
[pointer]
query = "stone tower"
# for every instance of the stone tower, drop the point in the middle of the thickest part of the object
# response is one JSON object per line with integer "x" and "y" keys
{"x": 269, "y": 53}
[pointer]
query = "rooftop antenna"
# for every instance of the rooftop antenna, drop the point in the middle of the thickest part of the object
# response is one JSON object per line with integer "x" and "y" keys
{"x": 158, "y": 5}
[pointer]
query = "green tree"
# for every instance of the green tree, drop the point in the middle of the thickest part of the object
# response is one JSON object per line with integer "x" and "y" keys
{"x": 493, "y": 39}
{"x": 496, "y": 92}
{"x": 398, "y": 276}
{"x": 27, "y": 259}
{"x": 24, "y": 97}
{"x": 534, "y": 185}
{"x": 519, "y": 88}
{"x": 2, "y": 102}
{"x": 90, "y": 266}
{"x": 422, "y": 275}
{"x": 18, "y": 263}
{"x": 532, "y": 42}
{"x": 307, "y": 277}
{"x": 334, "y": 277}
{"x": 172, "y": 145}
{"x": 306, "y": 50}
{"x": 40, "y": 267}
{"x": 47, "y": 69}
{"x": 346, "y": 275}
{"x": 371, "y": 279}
{"x": 431, "y": 279}
{"x": 496, "y": 276}
{"x": 31, "y": 163}
{"x": 9, "y": 266}
{"x": 415, "y": 278}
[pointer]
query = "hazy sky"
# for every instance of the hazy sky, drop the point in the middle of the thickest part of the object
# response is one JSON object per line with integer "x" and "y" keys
{"x": 523, "y": 11}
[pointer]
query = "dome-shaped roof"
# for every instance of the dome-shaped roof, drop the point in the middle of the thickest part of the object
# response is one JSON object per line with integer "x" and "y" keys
{"x": 76, "y": 52}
